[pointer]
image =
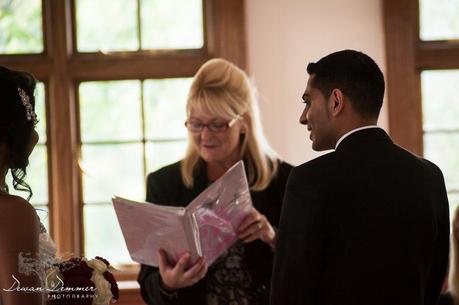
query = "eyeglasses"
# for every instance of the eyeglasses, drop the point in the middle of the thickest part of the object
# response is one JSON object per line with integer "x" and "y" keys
{"x": 196, "y": 126}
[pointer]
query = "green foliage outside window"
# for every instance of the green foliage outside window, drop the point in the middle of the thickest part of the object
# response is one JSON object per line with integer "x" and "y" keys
{"x": 21, "y": 29}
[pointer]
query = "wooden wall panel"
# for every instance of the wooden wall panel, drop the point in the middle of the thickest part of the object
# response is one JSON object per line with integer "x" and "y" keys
{"x": 402, "y": 78}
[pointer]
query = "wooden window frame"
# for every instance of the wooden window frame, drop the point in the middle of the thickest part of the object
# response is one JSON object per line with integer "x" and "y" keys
{"x": 407, "y": 56}
{"x": 61, "y": 68}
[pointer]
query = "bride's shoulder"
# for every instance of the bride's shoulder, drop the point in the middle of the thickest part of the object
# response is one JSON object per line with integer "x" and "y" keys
{"x": 15, "y": 210}
{"x": 15, "y": 203}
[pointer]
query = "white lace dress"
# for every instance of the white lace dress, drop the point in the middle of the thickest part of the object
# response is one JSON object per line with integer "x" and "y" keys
{"x": 46, "y": 257}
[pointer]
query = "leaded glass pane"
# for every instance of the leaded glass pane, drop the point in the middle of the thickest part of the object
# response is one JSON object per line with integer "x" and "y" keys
{"x": 37, "y": 174}
{"x": 172, "y": 24}
{"x": 161, "y": 154}
{"x": 443, "y": 150}
{"x": 107, "y": 26}
{"x": 165, "y": 102}
{"x": 110, "y": 111}
{"x": 439, "y": 19}
{"x": 40, "y": 110}
{"x": 440, "y": 103}
{"x": 110, "y": 170}
{"x": 21, "y": 29}
{"x": 102, "y": 234}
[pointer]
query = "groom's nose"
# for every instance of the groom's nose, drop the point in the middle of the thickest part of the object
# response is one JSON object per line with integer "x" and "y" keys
{"x": 303, "y": 117}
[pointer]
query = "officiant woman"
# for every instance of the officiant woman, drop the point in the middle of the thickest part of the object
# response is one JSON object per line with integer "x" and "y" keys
{"x": 223, "y": 127}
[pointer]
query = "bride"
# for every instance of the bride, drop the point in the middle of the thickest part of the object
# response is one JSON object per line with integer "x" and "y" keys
{"x": 19, "y": 223}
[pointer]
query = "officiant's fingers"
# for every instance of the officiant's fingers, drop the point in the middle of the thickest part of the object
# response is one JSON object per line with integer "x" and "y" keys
{"x": 252, "y": 217}
{"x": 195, "y": 270}
{"x": 199, "y": 274}
{"x": 182, "y": 263}
{"x": 252, "y": 236}
{"x": 253, "y": 230}
{"x": 202, "y": 272}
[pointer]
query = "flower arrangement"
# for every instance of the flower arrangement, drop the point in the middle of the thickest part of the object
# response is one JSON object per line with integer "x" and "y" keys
{"x": 81, "y": 281}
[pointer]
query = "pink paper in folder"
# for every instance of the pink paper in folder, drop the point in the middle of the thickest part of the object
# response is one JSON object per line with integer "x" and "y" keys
{"x": 206, "y": 227}
{"x": 219, "y": 210}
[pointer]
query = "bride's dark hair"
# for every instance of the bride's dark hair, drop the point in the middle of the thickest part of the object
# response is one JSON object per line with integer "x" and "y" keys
{"x": 16, "y": 126}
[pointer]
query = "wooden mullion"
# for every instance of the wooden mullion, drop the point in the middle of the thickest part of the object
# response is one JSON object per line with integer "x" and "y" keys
{"x": 38, "y": 65}
{"x": 93, "y": 67}
{"x": 46, "y": 25}
{"x": 228, "y": 27}
{"x": 73, "y": 25}
{"x": 432, "y": 55}
{"x": 66, "y": 216}
{"x": 78, "y": 177}
{"x": 402, "y": 77}
{"x": 210, "y": 36}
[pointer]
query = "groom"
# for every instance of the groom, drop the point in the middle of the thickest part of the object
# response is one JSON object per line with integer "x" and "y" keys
{"x": 367, "y": 223}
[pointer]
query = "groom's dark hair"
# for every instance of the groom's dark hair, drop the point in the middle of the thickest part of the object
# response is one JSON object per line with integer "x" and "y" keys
{"x": 356, "y": 75}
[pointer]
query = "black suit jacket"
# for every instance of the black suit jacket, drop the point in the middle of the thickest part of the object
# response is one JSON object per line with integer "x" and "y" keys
{"x": 366, "y": 224}
{"x": 165, "y": 186}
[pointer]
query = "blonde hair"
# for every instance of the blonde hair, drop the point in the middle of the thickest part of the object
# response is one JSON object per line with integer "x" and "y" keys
{"x": 453, "y": 276}
{"x": 220, "y": 88}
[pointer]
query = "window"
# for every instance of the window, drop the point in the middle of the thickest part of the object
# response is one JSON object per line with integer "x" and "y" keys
{"x": 438, "y": 20}
{"x": 110, "y": 101}
{"x": 137, "y": 126}
{"x": 21, "y": 32}
{"x": 423, "y": 72}
{"x": 441, "y": 126}
{"x": 139, "y": 25}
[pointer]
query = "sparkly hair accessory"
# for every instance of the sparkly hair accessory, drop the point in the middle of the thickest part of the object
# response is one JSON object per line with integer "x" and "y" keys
{"x": 31, "y": 116}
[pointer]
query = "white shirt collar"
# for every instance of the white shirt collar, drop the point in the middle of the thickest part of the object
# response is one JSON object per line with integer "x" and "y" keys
{"x": 352, "y": 131}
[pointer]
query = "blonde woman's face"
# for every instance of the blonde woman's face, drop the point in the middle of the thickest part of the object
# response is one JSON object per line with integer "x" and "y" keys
{"x": 216, "y": 147}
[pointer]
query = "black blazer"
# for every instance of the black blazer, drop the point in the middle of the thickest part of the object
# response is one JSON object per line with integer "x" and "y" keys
{"x": 366, "y": 224}
{"x": 165, "y": 186}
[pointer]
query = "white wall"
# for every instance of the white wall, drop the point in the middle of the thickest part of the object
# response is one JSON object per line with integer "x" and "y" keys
{"x": 283, "y": 36}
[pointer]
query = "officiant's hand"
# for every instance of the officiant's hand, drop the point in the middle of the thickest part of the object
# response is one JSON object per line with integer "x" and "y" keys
{"x": 179, "y": 276}
{"x": 256, "y": 226}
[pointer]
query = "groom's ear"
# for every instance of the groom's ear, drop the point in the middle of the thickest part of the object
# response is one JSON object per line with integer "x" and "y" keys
{"x": 336, "y": 102}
